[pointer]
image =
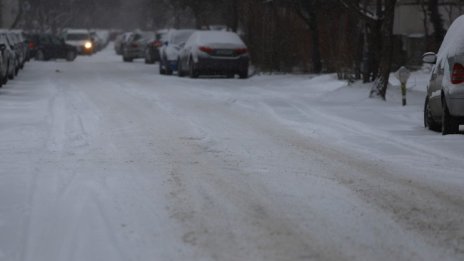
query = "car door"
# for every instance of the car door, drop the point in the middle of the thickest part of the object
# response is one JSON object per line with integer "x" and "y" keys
{"x": 45, "y": 45}
{"x": 59, "y": 47}
{"x": 434, "y": 89}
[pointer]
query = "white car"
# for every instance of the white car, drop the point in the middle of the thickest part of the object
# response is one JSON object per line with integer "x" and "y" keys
{"x": 213, "y": 53}
{"x": 81, "y": 39}
{"x": 444, "y": 103}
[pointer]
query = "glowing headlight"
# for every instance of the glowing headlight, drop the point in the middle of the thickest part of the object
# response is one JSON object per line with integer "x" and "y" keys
{"x": 88, "y": 45}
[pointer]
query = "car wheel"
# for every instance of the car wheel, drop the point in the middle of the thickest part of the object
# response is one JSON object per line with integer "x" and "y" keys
{"x": 180, "y": 71}
{"x": 449, "y": 125}
{"x": 428, "y": 119}
{"x": 16, "y": 69}
{"x": 40, "y": 56}
{"x": 161, "y": 69}
{"x": 243, "y": 74}
{"x": 148, "y": 58}
{"x": 71, "y": 56}
{"x": 193, "y": 72}
{"x": 168, "y": 71}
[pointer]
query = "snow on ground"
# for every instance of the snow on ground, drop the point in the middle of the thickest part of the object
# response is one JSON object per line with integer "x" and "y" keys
{"x": 105, "y": 160}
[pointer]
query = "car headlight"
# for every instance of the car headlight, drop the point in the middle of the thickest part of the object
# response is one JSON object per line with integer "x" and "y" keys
{"x": 88, "y": 45}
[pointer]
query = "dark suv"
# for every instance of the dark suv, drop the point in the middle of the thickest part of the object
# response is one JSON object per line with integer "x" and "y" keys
{"x": 47, "y": 46}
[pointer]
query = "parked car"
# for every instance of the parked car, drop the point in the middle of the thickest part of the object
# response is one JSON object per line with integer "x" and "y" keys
{"x": 213, "y": 53}
{"x": 444, "y": 102}
{"x": 20, "y": 45}
{"x": 81, "y": 39}
{"x": 169, "y": 52}
{"x": 23, "y": 38}
{"x": 152, "y": 47}
{"x": 14, "y": 44}
{"x": 5, "y": 60}
{"x": 47, "y": 46}
{"x": 9, "y": 51}
{"x": 119, "y": 42}
{"x": 134, "y": 46}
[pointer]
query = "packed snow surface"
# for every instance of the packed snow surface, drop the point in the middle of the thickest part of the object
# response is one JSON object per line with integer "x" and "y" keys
{"x": 105, "y": 160}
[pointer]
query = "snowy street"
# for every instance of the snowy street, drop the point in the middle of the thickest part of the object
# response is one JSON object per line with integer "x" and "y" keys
{"x": 105, "y": 160}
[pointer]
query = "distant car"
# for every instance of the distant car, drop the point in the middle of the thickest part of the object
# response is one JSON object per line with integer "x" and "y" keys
{"x": 81, "y": 39}
{"x": 152, "y": 47}
{"x": 10, "y": 52}
{"x": 134, "y": 46}
{"x": 47, "y": 46}
{"x": 444, "y": 102}
{"x": 214, "y": 53}
{"x": 22, "y": 38}
{"x": 13, "y": 43}
{"x": 7, "y": 60}
{"x": 15, "y": 38}
{"x": 119, "y": 42}
{"x": 169, "y": 52}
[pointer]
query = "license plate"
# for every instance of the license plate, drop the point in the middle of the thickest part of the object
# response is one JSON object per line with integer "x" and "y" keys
{"x": 224, "y": 52}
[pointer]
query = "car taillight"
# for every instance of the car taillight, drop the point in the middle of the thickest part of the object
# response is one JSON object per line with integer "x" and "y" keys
{"x": 241, "y": 51}
{"x": 457, "y": 76}
{"x": 206, "y": 49}
{"x": 134, "y": 45}
{"x": 31, "y": 45}
{"x": 157, "y": 44}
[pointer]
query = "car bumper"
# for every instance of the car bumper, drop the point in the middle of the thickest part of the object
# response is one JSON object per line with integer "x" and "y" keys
{"x": 172, "y": 65}
{"x": 222, "y": 65}
{"x": 83, "y": 50}
{"x": 133, "y": 53}
{"x": 456, "y": 106}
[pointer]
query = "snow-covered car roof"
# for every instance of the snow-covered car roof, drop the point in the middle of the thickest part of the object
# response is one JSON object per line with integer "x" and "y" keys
{"x": 77, "y": 31}
{"x": 218, "y": 37}
{"x": 453, "y": 44}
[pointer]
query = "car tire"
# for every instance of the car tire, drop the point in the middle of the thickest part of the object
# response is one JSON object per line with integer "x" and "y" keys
{"x": 180, "y": 70}
{"x": 449, "y": 125}
{"x": 40, "y": 56}
{"x": 148, "y": 58}
{"x": 243, "y": 74}
{"x": 161, "y": 70}
{"x": 193, "y": 72}
{"x": 127, "y": 59}
{"x": 429, "y": 122}
{"x": 71, "y": 56}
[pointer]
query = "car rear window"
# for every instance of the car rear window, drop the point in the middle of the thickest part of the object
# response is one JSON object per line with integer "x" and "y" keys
{"x": 77, "y": 37}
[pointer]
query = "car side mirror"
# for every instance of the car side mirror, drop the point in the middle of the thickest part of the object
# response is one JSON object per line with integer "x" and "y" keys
{"x": 429, "y": 57}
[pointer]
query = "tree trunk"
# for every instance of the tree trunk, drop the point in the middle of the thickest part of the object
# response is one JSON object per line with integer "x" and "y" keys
{"x": 437, "y": 23}
{"x": 381, "y": 84}
{"x": 315, "y": 46}
{"x": 18, "y": 15}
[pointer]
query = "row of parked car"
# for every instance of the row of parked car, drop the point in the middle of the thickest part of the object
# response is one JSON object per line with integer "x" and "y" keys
{"x": 14, "y": 53}
{"x": 17, "y": 47}
{"x": 187, "y": 52}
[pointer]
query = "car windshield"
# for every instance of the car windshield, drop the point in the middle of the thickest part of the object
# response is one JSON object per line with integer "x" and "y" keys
{"x": 181, "y": 37}
{"x": 77, "y": 37}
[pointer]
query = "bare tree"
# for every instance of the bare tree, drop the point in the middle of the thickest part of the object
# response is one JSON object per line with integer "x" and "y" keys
{"x": 379, "y": 21}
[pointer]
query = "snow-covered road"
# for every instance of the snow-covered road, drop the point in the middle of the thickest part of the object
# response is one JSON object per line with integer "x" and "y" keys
{"x": 105, "y": 160}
